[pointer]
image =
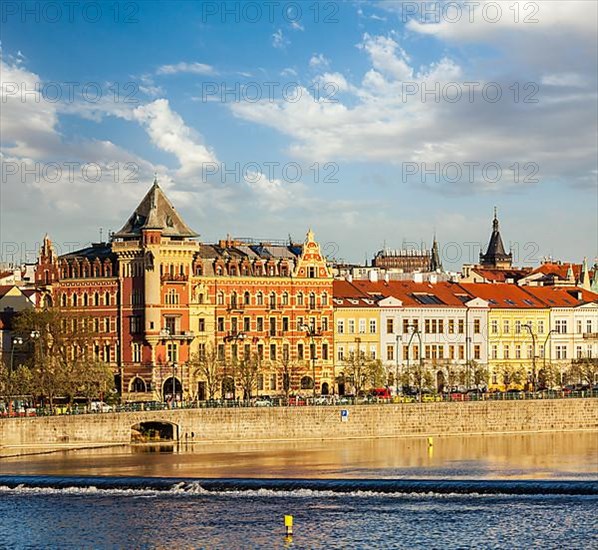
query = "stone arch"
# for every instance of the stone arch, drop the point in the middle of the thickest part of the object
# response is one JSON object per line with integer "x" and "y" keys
{"x": 307, "y": 383}
{"x": 167, "y": 388}
{"x": 154, "y": 430}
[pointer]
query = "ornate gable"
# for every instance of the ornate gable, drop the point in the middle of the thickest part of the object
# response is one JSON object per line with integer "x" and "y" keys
{"x": 311, "y": 263}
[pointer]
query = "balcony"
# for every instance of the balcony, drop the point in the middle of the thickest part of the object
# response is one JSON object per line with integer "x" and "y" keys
{"x": 184, "y": 335}
{"x": 590, "y": 335}
{"x": 174, "y": 278}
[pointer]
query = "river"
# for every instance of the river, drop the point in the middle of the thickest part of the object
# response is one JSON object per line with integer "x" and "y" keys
{"x": 507, "y": 491}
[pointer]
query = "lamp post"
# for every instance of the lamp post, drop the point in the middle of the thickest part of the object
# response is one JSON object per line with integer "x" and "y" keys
{"x": 529, "y": 328}
{"x": 415, "y": 331}
{"x": 167, "y": 334}
{"x": 550, "y": 354}
{"x": 398, "y": 340}
{"x": 311, "y": 332}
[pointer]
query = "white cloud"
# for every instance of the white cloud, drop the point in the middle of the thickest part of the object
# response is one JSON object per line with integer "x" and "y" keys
{"x": 183, "y": 67}
{"x": 573, "y": 80}
{"x": 295, "y": 25}
{"x": 318, "y": 61}
{"x": 168, "y": 131}
{"x": 279, "y": 40}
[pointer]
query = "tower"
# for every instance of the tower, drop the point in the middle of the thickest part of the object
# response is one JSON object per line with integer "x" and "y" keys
{"x": 495, "y": 256}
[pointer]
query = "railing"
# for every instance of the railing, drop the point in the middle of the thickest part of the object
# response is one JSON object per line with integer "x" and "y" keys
{"x": 294, "y": 402}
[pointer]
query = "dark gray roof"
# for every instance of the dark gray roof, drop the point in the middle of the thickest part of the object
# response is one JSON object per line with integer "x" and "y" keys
{"x": 155, "y": 211}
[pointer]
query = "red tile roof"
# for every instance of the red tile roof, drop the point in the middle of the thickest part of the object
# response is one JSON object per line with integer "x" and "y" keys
{"x": 558, "y": 296}
{"x": 501, "y": 275}
{"x": 503, "y": 295}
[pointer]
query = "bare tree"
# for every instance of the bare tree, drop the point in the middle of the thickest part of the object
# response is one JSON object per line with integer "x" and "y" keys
{"x": 362, "y": 371}
{"x": 208, "y": 367}
{"x": 513, "y": 375}
{"x": 248, "y": 370}
{"x": 585, "y": 370}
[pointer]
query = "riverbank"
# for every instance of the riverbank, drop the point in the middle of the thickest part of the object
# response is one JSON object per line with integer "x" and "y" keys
{"x": 307, "y": 423}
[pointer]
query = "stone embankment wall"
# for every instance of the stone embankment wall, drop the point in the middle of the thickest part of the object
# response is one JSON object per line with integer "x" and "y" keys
{"x": 325, "y": 422}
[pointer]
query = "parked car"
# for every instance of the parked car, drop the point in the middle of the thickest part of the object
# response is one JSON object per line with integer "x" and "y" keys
{"x": 323, "y": 400}
{"x": 262, "y": 401}
{"x": 297, "y": 400}
{"x": 100, "y": 406}
{"x": 382, "y": 393}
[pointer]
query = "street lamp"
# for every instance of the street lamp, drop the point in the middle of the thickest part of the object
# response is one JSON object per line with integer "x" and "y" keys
{"x": 311, "y": 332}
{"x": 399, "y": 338}
{"x": 421, "y": 364}
{"x": 167, "y": 334}
{"x": 529, "y": 328}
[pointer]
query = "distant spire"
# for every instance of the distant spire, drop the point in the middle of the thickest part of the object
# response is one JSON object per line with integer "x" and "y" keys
{"x": 570, "y": 276}
{"x": 156, "y": 178}
{"x": 435, "y": 262}
{"x": 495, "y": 256}
{"x": 584, "y": 279}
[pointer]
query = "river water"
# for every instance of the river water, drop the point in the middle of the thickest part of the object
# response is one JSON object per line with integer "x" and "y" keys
{"x": 516, "y": 491}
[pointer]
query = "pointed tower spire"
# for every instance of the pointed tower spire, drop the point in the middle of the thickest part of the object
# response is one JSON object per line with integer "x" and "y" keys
{"x": 584, "y": 279}
{"x": 594, "y": 285}
{"x": 495, "y": 256}
{"x": 570, "y": 276}
{"x": 435, "y": 262}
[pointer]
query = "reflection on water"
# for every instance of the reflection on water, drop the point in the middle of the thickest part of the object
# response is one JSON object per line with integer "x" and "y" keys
{"x": 525, "y": 456}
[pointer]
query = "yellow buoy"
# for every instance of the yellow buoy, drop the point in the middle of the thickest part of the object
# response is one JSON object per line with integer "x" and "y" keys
{"x": 288, "y": 525}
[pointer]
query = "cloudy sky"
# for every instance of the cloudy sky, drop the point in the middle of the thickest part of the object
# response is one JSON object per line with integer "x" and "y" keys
{"x": 373, "y": 123}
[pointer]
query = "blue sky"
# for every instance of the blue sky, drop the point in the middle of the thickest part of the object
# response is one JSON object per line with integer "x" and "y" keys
{"x": 375, "y": 137}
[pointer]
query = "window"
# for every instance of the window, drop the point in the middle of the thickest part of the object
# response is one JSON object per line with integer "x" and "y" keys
{"x": 506, "y": 327}
{"x": 311, "y": 272}
{"x": 220, "y": 324}
{"x": 405, "y": 326}
{"x": 461, "y": 352}
{"x": 246, "y": 351}
{"x": 361, "y": 326}
{"x": 494, "y": 352}
{"x": 518, "y": 351}
{"x": 351, "y": 326}
{"x": 561, "y": 352}
{"x": 461, "y": 326}
{"x": 136, "y": 352}
{"x": 172, "y": 297}
{"x": 74, "y": 300}
{"x": 260, "y": 324}
{"x": 340, "y": 353}
{"x": 107, "y": 324}
{"x": 246, "y": 324}
{"x": 372, "y": 326}
{"x": 272, "y": 300}
{"x": 221, "y": 352}
{"x": 107, "y": 298}
{"x": 260, "y": 352}
{"x": 63, "y": 299}
{"x": 246, "y": 298}
{"x": 135, "y": 324}
{"x": 285, "y": 324}
{"x": 273, "y": 352}
{"x": 299, "y": 324}
{"x": 451, "y": 351}
{"x": 300, "y": 352}
{"x": 540, "y": 327}
{"x": 324, "y": 324}
{"x": 390, "y": 326}
{"x": 286, "y": 352}
{"x": 220, "y": 298}
{"x": 172, "y": 352}
{"x": 427, "y": 328}
{"x": 273, "y": 381}
{"x": 589, "y": 326}
{"x": 312, "y": 300}
{"x": 494, "y": 326}
{"x": 373, "y": 352}
{"x": 451, "y": 326}
{"x": 201, "y": 350}
{"x": 506, "y": 351}
{"x": 530, "y": 351}
{"x": 300, "y": 298}
{"x": 272, "y": 326}
{"x": 85, "y": 300}
{"x": 441, "y": 326}
{"x": 259, "y": 300}
{"x": 405, "y": 353}
{"x": 325, "y": 352}
{"x": 579, "y": 352}
{"x": 233, "y": 300}
{"x": 390, "y": 353}
{"x": 234, "y": 326}
{"x": 517, "y": 327}
{"x": 324, "y": 298}
{"x": 285, "y": 298}
{"x": 476, "y": 326}
{"x": 561, "y": 326}
{"x": 434, "y": 326}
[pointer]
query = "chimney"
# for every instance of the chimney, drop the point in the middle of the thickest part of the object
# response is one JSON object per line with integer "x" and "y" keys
{"x": 433, "y": 278}
{"x": 386, "y": 277}
{"x": 418, "y": 278}
{"x": 373, "y": 276}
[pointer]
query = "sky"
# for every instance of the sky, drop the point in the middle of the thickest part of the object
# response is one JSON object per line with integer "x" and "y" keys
{"x": 376, "y": 124}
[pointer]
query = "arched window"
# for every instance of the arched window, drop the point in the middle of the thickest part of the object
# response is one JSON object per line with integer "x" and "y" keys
{"x": 307, "y": 383}
{"x": 107, "y": 298}
{"x": 233, "y": 299}
{"x": 137, "y": 385}
{"x": 260, "y": 299}
{"x": 220, "y": 298}
{"x": 285, "y": 298}
{"x": 63, "y": 299}
{"x": 300, "y": 298}
{"x": 75, "y": 300}
{"x": 96, "y": 299}
{"x": 85, "y": 299}
{"x": 247, "y": 298}
{"x": 272, "y": 300}
{"x": 312, "y": 300}
{"x": 324, "y": 298}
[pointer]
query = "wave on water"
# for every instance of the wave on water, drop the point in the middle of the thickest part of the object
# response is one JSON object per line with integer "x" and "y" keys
{"x": 300, "y": 488}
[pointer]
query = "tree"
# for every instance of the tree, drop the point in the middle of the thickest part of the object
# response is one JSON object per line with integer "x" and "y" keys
{"x": 548, "y": 376}
{"x": 248, "y": 369}
{"x": 59, "y": 354}
{"x": 513, "y": 375}
{"x": 585, "y": 370}
{"x": 480, "y": 374}
{"x": 288, "y": 370}
{"x": 208, "y": 367}
{"x": 361, "y": 371}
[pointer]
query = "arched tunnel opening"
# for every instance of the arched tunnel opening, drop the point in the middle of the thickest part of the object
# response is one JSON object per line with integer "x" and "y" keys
{"x": 154, "y": 431}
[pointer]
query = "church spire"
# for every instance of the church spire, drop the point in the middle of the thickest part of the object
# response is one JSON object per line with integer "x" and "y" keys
{"x": 435, "y": 261}
{"x": 496, "y": 256}
{"x": 584, "y": 278}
